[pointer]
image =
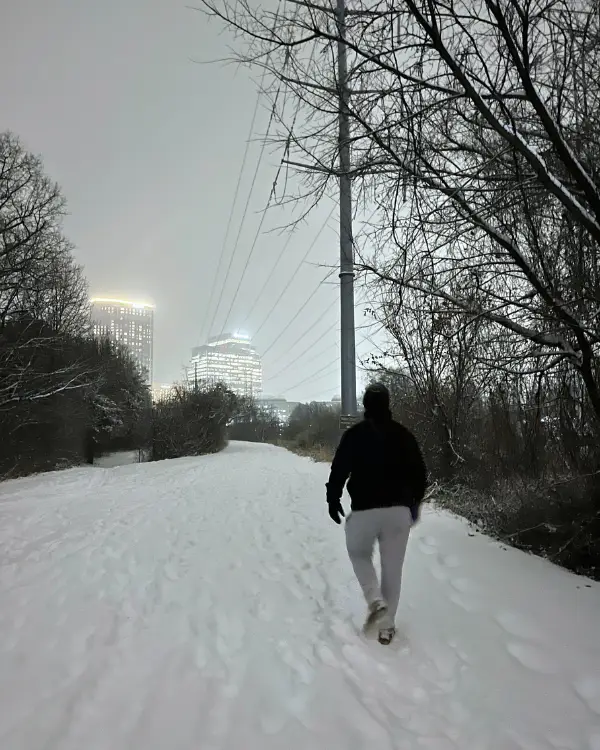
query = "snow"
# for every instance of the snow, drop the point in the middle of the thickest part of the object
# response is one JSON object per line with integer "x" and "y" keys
{"x": 122, "y": 458}
{"x": 207, "y": 604}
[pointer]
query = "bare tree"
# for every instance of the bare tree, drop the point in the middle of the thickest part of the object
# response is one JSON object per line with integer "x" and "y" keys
{"x": 476, "y": 135}
{"x": 43, "y": 294}
{"x": 63, "y": 394}
{"x": 60, "y": 296}
{"x": 31, "y": 209}
{"x": 436, "y": 373}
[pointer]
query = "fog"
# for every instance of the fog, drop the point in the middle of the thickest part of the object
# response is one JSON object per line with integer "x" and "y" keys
{"x": 147, "y": 142}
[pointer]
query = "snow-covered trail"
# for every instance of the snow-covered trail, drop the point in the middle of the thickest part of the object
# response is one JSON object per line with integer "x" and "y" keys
{"x": 207, "y": 604}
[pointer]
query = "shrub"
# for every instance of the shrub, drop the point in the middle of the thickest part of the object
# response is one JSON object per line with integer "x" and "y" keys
{"x": 191, "y": 423}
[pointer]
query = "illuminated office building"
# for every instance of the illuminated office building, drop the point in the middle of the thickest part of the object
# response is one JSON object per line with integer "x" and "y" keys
{"x": 229, "y": 359}
{"x": 128, "y": 323}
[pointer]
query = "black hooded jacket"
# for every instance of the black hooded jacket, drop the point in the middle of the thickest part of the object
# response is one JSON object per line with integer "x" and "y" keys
{"x": 383, "y": 465}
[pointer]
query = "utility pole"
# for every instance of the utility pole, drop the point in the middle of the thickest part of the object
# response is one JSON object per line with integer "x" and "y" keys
{"x": 348, "y": 344}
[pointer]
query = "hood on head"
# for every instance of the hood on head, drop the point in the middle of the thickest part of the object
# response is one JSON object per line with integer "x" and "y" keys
{"x": 376, "y": 401}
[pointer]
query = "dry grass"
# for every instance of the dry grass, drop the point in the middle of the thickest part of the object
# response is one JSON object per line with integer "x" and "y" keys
{"x": 558, "y": 520}
{"x": 318, "y": 453}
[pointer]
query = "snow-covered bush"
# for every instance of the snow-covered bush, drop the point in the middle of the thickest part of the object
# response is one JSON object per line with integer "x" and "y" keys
{"x": 191, "y": 422}
{"x": 313, "y": 430}
{"x": 254, "y": 424}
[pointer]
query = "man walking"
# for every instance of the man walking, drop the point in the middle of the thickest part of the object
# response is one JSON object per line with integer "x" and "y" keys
{"x": 387, "y": 478}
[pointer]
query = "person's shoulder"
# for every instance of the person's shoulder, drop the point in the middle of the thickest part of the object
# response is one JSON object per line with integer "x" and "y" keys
{"x": 402, "y": 431}
{"x": 357, "y": 428}
{"x": 356, "y": 432}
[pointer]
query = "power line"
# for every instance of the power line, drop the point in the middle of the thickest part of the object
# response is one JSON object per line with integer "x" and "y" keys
{"x": 310, "y": 346}
{"x": 233, "y": 205}
{"x": 293, "y": 276}
{"x": 303, "y": 335}
{"x": 298, "y": 313}
{"x": 262, "y": 218}
{"x": 235, "y": 247}
{"x": 274, "y": 185}
{"x": 287, "y": 286}
{"x": 243, "y": 219}
{"x": 308, "y": 329}
{"x": 327, "y": 367}
{"x": 287, "y": 242}
{"x": 312, "y": 377}
{"x": 268, "y": 279}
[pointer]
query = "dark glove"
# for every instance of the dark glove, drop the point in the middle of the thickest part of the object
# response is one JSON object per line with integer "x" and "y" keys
{"x": 336, "y": 510}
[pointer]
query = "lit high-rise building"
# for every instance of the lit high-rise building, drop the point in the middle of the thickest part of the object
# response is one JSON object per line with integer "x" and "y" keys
{"x": 229, "y": 359}
{"x": 128, "y": 323}
{"x": 162, "y": 392}
{"x": 279, "y": 407}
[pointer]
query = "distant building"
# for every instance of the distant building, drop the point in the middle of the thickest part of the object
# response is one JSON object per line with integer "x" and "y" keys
{"x": 162, "y": 391}
{"x": 335, "y": 403}
{"x": 229, "y": 359}
{"x": 130, "y": 324}
{"x": 281, "y": 407}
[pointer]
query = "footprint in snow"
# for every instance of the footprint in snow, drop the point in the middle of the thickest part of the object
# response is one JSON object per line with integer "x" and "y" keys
{"x": 327, "y": 657}
{"x": 273, "y": 721}
{"x": 469, "y": 604}
{"x": 439, "y": 572}
{"x": 296, "y": 593}
{"x": 465, "y": 586}
{"x": 170, "y": 572}
{"x": 428, "y": 545}
{"x": 562, "y": 743}
{"x": 532, "y": 658}
{"x": 229, "y": 637}
{"x": 518, "y": 626}
{"x": 524, "y": 743}
{"x": 588, "y": 689}
{"x": 200, "y": 656}
{"x": 450, "y": 561}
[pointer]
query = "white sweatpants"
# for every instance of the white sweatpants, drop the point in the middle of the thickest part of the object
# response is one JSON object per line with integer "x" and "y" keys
{"x": 391, "y": 528}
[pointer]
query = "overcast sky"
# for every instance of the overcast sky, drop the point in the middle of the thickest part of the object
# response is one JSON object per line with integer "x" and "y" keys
{"x": 147, "y": 146}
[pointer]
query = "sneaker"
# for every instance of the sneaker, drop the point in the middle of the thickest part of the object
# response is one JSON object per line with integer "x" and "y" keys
{"x": 377, "y": 610}
{"x": 386, "y": 636}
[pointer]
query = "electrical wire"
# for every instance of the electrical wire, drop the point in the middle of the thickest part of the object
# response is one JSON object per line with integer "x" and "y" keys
{"x": 297, "y": 315}
{"x": 287, "y": 242}
{"x": 293, "y": 276}
{"x": 237, "y": 240}
{"x": 287, "y": 287}
{"x": 243, "y": 219}
{"x": 273, "y": 187}
{"x": 262, "y": 218}
{"x": 327, "y": 367}
{"x": 310, "y": 346}
{"x": 312, "y": 377}
{"x": 233, "y": 205}
{"x": 308, "y": 329}
{"x": 268, "y": 279}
